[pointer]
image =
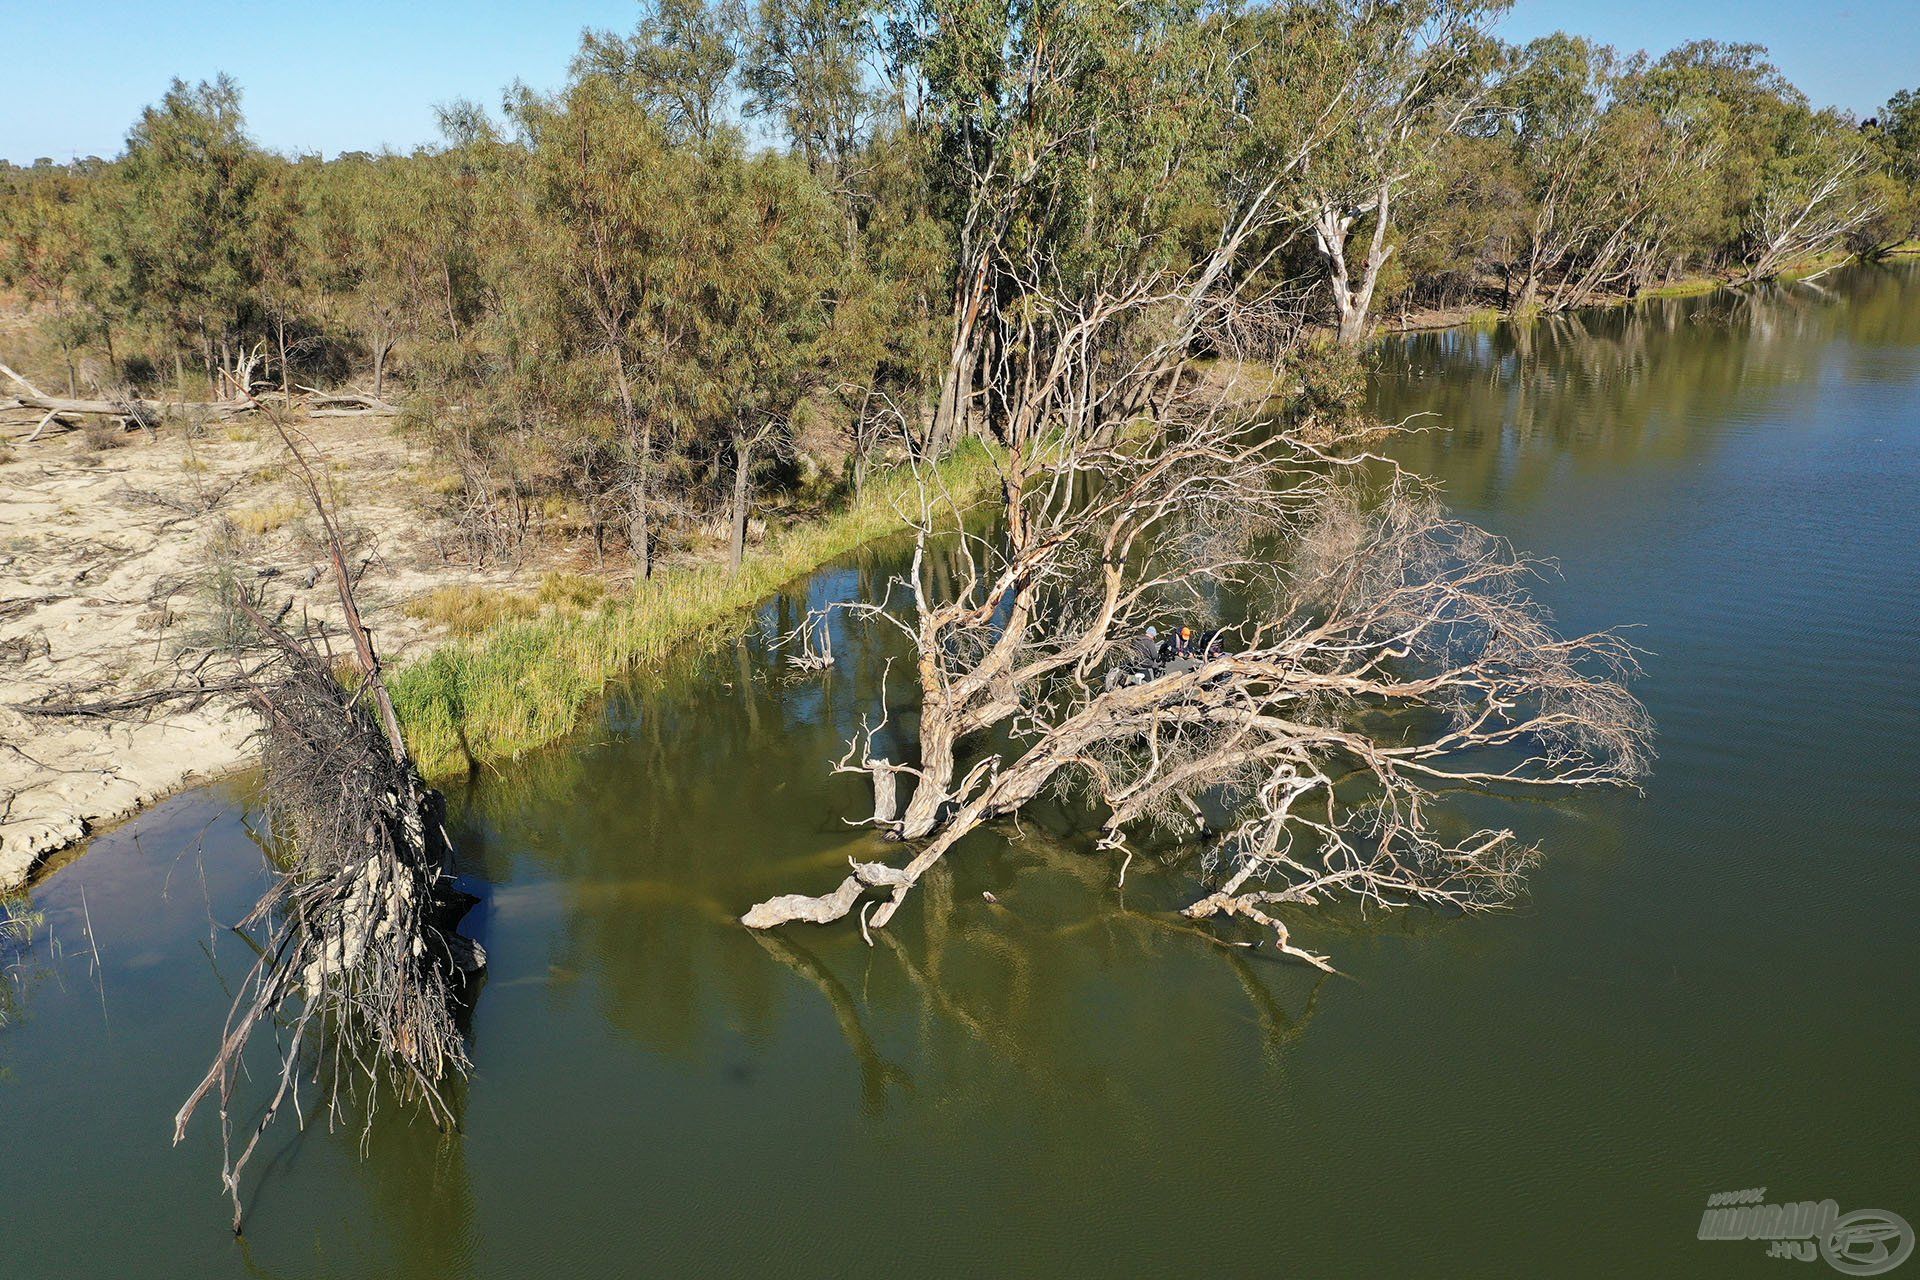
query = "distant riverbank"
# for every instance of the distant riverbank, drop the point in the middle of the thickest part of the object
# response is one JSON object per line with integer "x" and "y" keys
{"x": 1687, "y": 287}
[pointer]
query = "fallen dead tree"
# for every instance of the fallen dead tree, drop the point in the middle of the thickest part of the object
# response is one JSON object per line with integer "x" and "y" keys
{"x": 359, "y": 963}
{"x": 346, "y": 404}
{"x": 1378, "y": 654}
{"x": 139, "y": 411}
{"x": 1389, "y": 655}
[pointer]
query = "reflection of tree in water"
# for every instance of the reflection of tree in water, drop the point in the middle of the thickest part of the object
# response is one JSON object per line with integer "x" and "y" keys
{"x": 1517, "y": 402}
{"x": 877, "y": 1074}
{"x": 418, "y": 1194}
{"x": 709, "y": 790}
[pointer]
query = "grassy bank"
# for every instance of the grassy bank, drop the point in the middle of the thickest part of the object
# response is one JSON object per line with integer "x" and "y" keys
{"x": 526, "y": 682}
{"x": 1690, "y": 287}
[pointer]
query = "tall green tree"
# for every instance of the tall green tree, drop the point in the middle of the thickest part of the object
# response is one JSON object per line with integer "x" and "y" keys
{"x": 1371, "y": 89}
{"x": 46, "y": 254}
{"x": 184, "y": 236}
{"x": 680, "y": 62}
{"x": 807, "y": 68}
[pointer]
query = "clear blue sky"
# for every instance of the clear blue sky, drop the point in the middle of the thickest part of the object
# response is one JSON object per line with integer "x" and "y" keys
{"x": 338, "y": 75}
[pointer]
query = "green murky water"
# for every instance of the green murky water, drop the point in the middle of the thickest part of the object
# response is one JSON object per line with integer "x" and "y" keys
{"x": 1711, "y": 987}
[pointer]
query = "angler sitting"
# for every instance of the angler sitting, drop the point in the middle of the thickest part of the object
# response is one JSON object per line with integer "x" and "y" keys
{"x": 1142, "y": 661}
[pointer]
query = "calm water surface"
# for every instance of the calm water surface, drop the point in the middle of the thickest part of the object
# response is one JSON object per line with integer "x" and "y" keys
{"x": 1712, "y": 986}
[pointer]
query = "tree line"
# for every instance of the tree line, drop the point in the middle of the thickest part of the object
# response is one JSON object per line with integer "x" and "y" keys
{"x": 746, "y": 223}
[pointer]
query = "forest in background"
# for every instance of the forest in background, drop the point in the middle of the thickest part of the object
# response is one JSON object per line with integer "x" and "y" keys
{"x": 771, "y": 243}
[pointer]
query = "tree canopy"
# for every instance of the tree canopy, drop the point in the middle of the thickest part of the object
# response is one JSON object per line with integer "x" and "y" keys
{"x": 894, "y": 223}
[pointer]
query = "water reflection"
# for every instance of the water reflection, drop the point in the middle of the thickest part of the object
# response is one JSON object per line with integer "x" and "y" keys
{"x": 637, "y": 847}
{"x": 1515, "y": 405}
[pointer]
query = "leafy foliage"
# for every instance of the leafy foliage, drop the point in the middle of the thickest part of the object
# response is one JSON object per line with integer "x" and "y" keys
{"x": 752, "y": 244}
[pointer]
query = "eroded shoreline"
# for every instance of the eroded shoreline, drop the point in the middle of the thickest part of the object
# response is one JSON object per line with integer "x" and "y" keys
{"x": 100, "y": 553}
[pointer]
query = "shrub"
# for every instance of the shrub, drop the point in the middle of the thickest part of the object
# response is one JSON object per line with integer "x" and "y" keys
{"x": 1329, "y": 383}
{"x": 103, "y": 434}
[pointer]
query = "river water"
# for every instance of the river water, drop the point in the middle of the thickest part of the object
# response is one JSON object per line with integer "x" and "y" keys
{"x": 1712, "y": 986}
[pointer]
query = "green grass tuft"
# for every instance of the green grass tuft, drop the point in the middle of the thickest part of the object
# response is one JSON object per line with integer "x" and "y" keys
{"x": 1692, "y": 287}
{"x": 525, "y": 681}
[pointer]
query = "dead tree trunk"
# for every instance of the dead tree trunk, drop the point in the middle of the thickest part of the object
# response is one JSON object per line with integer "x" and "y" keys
{"x": 737, "y": 524}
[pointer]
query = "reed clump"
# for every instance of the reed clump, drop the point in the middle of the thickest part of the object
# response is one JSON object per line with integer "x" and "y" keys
{"x": 525, "y": 681}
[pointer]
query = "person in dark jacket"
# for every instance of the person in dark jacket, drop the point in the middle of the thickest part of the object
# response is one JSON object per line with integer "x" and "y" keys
{"x": 1147, "y": 650}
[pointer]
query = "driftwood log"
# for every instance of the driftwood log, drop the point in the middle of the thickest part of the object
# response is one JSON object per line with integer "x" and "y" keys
{"x": 141, "y": 410}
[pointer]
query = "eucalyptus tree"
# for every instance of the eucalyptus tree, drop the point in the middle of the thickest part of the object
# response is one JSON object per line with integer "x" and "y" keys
{"x": 1105, "y": 242}
{"x": 1784, "y": 180}
{"x": 681, "y": 61}
{"x": 1080, "y": 151}
{"x": 1813, "y": 192}
{"x": 1727, "y": 99}
{"x": 1898, "y": 127}
{"x": 1602, "y": 176}
{"x": 1366, "y": 90}
{"x": 1556, "y": 100}
{"x": 1893, "y": 136}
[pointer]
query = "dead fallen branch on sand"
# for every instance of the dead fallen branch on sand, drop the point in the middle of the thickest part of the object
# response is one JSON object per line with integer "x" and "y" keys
{"x": 137, "y": 411}
{"x": 190, "y": 692}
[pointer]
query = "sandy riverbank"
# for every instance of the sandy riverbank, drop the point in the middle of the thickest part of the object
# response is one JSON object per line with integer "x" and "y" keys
{"x": 100, "y": 551}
